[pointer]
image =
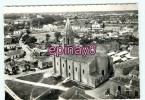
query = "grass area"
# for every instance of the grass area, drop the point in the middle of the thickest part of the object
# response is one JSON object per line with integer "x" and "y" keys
{"x": 52, "y": 94}
{"x": 33, "y": 77}
{"x": 8, "y": 97}
{"x": 24, "y": 90}
{"x": 38, "y": 90}
{"x": 52, "y": 80}
{"x": 73, "y": 83}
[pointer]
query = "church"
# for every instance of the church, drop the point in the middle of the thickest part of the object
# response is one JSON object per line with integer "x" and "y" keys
{"x": 90, "y": 70}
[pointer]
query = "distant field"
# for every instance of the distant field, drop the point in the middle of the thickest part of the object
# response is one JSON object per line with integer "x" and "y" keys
{"x": 24, "y": 90}
{"x": 33, "y": 77}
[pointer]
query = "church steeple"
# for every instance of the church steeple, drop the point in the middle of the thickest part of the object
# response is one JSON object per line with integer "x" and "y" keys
{"x": 68, "y": 38}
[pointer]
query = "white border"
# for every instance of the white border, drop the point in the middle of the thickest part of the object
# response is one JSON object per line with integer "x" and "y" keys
{"x": 141, "y": 5}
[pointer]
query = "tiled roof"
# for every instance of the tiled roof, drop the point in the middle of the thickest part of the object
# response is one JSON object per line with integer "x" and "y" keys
{"x": 126, "y": 64}
{"x": 126, "y": 80}
{"x": 75, "y": 93}
{"x": 134, "y": 72}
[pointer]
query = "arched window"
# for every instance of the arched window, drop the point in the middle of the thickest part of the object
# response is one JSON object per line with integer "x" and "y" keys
{"x": 103, "y": 72}
{"x": 64, "y": 40}
{"x": 68, "y": 40}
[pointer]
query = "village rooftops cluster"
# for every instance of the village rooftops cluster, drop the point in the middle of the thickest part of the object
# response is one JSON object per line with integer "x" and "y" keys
{"x": 126, "y": 80}
{"x": 126, "y": 64}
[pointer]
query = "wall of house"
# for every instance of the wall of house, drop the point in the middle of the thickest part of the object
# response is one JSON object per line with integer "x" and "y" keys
{"x": 70, "y": 68}
{"x": 77, "y": 71}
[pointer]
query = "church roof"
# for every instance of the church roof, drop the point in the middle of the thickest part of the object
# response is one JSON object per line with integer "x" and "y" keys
{"x": 79, "y": 58}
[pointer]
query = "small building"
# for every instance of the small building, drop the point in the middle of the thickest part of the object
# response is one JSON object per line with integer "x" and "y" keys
{"x": 8, "y": 39}
{"x": 124, "y": 68}
{"x": 14, "y": 54}
{"x": 134, "y": 51}
{"x": 75, "y": 93}
{"x": 125, "y": 87}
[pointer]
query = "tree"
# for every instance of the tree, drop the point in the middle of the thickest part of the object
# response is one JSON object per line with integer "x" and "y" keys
{"x": 76, "y": 35}
{"x": 85, "y": 41}
{"x": 103, "y": 26}
{"x": 57, "y": 36}
{"x": 28, "y": 39}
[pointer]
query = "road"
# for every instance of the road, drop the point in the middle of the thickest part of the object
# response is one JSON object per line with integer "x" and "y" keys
{"x": 99, "y": 92}
{"x": 26, "y": 49}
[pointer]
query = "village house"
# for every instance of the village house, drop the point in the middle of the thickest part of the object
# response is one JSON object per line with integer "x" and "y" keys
{"x": 125, "y": 83}
{"x": 75, "y": 93}
{"x": 12, "y": 46}
{"x": 15, "y": 54}
{"x": 124, "y": 68}
{"x": 91, "y": 70}
{"x": 124, "y": 87}
{"x": 8, "y": 39}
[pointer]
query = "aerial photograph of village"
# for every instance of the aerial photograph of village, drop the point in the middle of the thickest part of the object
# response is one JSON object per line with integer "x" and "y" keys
{"x": 76, "y": 51}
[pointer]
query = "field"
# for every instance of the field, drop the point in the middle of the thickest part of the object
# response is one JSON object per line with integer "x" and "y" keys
{"x": 52, "y": 94}
{"x": 51, "y": 80}
{"x": 24, "y": 90}
{"x": 32, "y": 77}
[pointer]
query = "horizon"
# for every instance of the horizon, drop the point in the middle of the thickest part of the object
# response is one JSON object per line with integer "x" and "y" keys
{"x": 70, "y": 8}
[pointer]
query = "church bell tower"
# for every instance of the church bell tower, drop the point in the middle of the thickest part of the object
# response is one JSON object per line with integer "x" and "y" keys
{"x": 68, "y": 37}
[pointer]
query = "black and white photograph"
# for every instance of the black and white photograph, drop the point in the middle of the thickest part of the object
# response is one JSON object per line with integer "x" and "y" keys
{"x": 71, "y": 51}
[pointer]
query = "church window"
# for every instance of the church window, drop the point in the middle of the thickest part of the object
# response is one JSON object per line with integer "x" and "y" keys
{"x": 83, "y": 71}
{"x": 57, "y": 63}
{"x": 136, "y": 93}
{"x": 63, "y": 65}
{"x": 76, "y": 69}
{"x": 119, "y": 88}
{"x": 69, "y": 67}
{"x": 68, "y": 40}
{"x": 103, "y": 72}
{"x": 68, "y": 74}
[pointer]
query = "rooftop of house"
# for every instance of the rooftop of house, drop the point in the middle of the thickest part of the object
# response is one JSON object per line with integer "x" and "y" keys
{"x": 75, "y": 93}
{"x": 86, "y": 59}
{"x": 126, "y": 80}
{"x": 12, "y": 53}
{"x": 134, "y": 72}
{"x": 129, "y": 63}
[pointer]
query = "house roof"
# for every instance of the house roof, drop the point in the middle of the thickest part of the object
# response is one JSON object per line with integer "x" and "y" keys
{"x": 126, "y": 64}
{"x": 126, "y": 80}
{"x": 75, "y": 93}
{"x": 134, "y": 72}
{"x": 12, "y": 53}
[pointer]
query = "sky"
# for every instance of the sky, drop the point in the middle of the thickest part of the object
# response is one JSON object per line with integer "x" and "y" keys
{"x": 70, "y": 8}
